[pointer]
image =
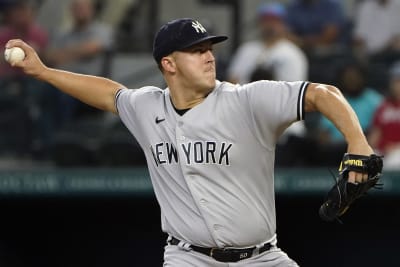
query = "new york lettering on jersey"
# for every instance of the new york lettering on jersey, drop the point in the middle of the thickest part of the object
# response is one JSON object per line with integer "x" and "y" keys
{"x": 198, "y": 152}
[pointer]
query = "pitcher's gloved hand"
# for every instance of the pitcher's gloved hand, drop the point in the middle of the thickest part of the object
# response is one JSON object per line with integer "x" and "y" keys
{"x": 344, "y": 193}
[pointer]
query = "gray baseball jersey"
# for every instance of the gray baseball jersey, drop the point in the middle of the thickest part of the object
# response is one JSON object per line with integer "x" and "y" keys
{"x": 212, "y": 168}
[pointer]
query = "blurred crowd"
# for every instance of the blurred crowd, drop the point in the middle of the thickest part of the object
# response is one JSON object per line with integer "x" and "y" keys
{"x": 33, "y": 113}
{"x": 312, "y": 40}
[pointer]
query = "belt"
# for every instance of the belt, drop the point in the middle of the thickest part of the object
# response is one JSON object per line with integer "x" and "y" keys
{"x": 225, "y": 254}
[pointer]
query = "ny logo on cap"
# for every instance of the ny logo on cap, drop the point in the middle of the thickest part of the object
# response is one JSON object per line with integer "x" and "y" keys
{"x": 198, "y": 27}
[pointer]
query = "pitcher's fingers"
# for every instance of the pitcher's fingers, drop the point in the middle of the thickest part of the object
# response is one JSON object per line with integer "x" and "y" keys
{"x": 365, "y": 177}
{"x": 352, "y": 177}
{"x": 14, "y": 42}
{"x": 360, "y": 177}
{"x": 21, "y": 44}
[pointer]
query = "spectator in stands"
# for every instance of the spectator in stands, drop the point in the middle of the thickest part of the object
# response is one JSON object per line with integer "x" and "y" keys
{"x": 364, "y": 101}
{"x": 272, "y": 57}
{"x": 272, "y": 51}
{"x": 82, "y": 48}
{"x": 377, "y": 26}
{"x": 316, "y": 23}
{"x": 384, "y": 136}
{"x": 19, "y": 22}
{"x": 114, "y": 10}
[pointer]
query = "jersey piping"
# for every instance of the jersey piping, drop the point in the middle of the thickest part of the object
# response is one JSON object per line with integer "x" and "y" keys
{"x": 300, "y": 101}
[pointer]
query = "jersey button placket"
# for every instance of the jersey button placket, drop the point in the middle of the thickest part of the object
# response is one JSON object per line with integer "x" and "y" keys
{"x": 203, "y": 201}
{"x": 179, "y": 133}
{"x": 217, "y": 227}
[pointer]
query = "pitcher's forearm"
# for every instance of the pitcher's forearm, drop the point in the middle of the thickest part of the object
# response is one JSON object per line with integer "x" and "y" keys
{"x": 329, "y": 101}
{"x": 333, "y": 105}
{"x": 95, "y": 91}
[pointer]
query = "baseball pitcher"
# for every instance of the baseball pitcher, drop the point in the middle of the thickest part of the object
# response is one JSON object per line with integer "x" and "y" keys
{"x": 209, "y": 145}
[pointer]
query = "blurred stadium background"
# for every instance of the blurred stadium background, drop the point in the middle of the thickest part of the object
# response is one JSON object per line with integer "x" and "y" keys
{"x": 74, "y": 188}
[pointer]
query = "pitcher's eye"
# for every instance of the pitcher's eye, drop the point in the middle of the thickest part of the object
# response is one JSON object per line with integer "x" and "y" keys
{"x": 202, "y": 50}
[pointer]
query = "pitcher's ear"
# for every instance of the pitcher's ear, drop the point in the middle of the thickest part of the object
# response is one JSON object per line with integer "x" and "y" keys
{"x": 168, "y": 64}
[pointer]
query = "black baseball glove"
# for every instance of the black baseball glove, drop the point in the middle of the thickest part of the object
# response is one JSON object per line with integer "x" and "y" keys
{"x": 343, "y": 193}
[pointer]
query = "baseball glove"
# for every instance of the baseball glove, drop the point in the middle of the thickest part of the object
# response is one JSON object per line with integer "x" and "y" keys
{"x": 343, "y": 193}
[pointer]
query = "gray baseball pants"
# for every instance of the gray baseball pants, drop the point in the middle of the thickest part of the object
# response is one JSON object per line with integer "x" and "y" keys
{"x": 175, "y": 256}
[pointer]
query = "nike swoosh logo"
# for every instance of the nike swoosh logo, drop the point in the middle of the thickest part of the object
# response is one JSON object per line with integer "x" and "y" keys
{"x": 159, "y": 120}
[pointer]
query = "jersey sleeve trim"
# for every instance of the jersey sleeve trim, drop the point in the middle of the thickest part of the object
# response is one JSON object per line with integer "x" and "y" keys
{"x": 301, "y": 100}
{"x": 116, "y": 98}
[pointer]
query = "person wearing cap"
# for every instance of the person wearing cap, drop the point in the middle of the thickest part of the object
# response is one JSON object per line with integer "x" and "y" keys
{"x": 273, "y": 50}
{"x": 385, "y": 132}
{"x": 209, "y": 145}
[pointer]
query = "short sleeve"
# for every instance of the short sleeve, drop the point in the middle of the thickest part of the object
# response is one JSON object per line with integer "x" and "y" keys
{"x": 125, "y": 102}
{"x": 275, "y": 105}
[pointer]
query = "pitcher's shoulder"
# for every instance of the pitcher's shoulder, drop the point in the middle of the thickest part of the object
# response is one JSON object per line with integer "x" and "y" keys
{"x": 227, "y": 87}
{"x": 231, "y": 87}
{"x": 150, "y": 90}
{"x": 146, "y": 95}
{"x": 145, "y": 91}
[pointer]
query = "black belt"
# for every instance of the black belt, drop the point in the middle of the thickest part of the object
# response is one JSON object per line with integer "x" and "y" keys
{"x": 225, "y": 254}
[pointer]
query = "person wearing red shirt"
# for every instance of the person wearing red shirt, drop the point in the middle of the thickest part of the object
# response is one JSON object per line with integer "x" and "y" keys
{"x": 385, "y": 132}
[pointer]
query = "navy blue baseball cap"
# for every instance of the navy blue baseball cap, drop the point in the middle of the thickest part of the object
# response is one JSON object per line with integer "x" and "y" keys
{"x": 180, "y": 34}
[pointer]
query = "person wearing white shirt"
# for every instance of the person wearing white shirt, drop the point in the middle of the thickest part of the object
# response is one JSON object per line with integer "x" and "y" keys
{"x": 272, "y": 51}
{"x": 376, "y": 26}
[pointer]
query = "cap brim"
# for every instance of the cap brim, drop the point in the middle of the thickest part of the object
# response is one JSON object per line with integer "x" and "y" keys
{"x": 214, "y": 39}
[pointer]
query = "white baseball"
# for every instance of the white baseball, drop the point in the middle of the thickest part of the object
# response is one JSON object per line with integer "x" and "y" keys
{"x": 14, "y": 55}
